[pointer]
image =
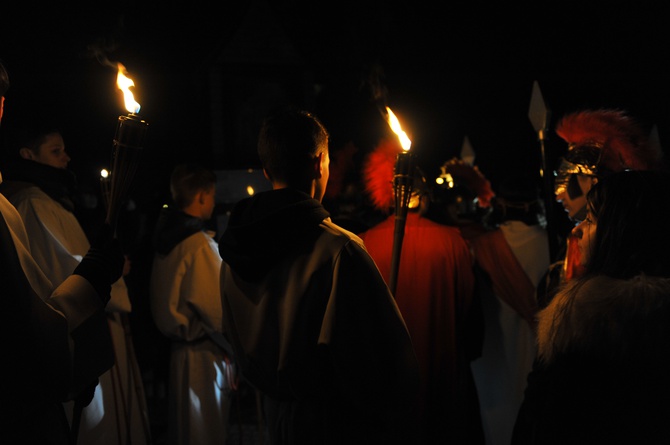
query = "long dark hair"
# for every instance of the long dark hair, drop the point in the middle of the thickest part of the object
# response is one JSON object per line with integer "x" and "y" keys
{"x": 632, "y": 211}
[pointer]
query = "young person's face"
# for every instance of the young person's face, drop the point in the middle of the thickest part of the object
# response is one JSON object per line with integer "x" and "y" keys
{"x": 585, "y": 232}
{"x": 51, "y": 152}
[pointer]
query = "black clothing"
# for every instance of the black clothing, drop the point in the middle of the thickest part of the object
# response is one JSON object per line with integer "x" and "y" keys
{"x": 172, "y": 227}
{"x": 250, "y": 244}
{"x": 60, "y": 184}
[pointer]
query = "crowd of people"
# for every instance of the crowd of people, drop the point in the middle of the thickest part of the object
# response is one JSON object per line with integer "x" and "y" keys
{"x": 483, "y": 338}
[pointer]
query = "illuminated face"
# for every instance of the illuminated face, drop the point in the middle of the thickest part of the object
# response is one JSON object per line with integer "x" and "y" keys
{"x": 573, "y": 197}
{"x": 585, "y": 232}
{"x": 51, "y": 152}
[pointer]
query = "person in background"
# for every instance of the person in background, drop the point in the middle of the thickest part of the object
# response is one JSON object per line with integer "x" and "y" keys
{"x": 42, "y": 188}
{"x": 601, "y": 374}
{"x": 435, "y": 294}
{"x": 312, "y": 323}
{"x": 186, "y": 307}
{"x": 57, "y": 339}
{"x": 600, "y": 142}
{"x": 463, "y": 199}
{"x": 510, "y": 258}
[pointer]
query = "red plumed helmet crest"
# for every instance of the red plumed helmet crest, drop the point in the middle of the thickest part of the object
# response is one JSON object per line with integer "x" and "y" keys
{"x": 378, "y": 174}
{"x": 470, "y": 177}
{"x": 622, "y": 142}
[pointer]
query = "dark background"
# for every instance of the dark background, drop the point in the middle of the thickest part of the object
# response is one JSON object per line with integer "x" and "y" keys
{"x": 204, "y": 75}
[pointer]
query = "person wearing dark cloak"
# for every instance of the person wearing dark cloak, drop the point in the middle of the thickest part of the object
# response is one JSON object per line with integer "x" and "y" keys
{"x": 312, "y": 323}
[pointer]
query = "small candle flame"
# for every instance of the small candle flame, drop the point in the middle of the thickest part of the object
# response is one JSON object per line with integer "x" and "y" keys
{"x": 124, "y": 83}
{"x": 393, "y": 122}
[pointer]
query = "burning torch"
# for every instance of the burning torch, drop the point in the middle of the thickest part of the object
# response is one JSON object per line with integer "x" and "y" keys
{"x": 403, "y": 177}
{"x": 130, "y": 132}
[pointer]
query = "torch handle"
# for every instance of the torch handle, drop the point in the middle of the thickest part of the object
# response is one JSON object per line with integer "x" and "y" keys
{"x": 402, "y": 190}
{"x": 549, "y": 199}
{"x": 398, "y": 235}
{"x": 128, "y": 139}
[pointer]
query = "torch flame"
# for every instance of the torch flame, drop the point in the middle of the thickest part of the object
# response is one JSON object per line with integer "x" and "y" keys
{"x": 393, "y": 122}
{"x": 124, "y": 83}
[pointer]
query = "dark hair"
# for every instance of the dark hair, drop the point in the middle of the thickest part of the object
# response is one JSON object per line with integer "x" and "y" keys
{"x": 187, "y": 180}
{"x": 632, "y": 211}
{"x": 287, "y": 140}
{"x": 34, "y": 133}
{"x": 4, "y": 79}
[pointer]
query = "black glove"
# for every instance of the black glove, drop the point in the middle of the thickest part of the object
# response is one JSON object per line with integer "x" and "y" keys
{"x": 103, "y": 264}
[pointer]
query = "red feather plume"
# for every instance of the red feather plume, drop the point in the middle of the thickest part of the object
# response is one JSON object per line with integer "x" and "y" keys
{"x": 378, "y": 174}
{"x": 472, "y": 178}
{"x": 624, "y": 144}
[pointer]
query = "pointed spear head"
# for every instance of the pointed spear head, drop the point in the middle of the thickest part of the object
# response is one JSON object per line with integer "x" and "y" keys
{"x": 538, "y": 112}
{"x": 467, "y": 152}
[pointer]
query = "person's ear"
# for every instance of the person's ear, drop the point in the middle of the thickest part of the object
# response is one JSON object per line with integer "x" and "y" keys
{"x": 2, "y": 106}
{"x": 27, "y": 153}
{"x": 318, "y": 165}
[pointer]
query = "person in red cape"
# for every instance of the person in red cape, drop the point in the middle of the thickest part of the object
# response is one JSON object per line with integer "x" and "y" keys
{"x": 434, "y": 292}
